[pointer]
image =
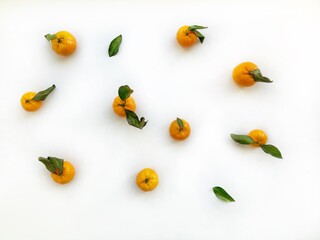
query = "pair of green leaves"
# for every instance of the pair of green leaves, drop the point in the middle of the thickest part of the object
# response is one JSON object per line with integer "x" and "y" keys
{"x": 247, "y": 140}
{"x": 257, "y": 76}
{"x": 42, "y": 95}
{"x": 53, "y": 164}
{"x": 222, "y": 194}
{"x": 194, "y": 28}
{"x": 114, "y": 46}
{"x": 124, "y": 93}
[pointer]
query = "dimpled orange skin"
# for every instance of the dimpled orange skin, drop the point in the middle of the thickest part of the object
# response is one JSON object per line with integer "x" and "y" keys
{"x": 185, "y": 37}
{"x": 241, "y": 74}
{"x": 28, "y": 104}
{"x": 64, "y": 44}
{"x": 178, "y": 134}
{"x": 259, "y": 137}
{"x": 67, "y": 175}
{"x": 118, "y": 106}
{"x": 147, "y": 179}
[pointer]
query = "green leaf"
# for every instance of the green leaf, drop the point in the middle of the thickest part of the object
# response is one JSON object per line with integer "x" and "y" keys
{"x": 50, "y": 37}
{"x": 222, "y": 194}
{"x": 133, "y": 119}
{"x": 257, "y": 76}
{"x": 194, "y": 28}
{"x": 272, "y": 150}
{"x": 53, "y": 164}
{"x": 124, "y": 92}
{"x": 114, "y": 46}
{"x": 180, "y": 123}
{"x": 199, "y": 35}
{"x": 242, "y": 139}
{"x": 42, "y": 95}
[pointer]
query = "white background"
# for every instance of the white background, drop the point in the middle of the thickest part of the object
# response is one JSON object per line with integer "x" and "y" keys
{"x": 275, "y": 199}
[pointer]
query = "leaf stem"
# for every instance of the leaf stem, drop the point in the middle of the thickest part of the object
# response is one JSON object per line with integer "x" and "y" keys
{"x": 122, "y": 104}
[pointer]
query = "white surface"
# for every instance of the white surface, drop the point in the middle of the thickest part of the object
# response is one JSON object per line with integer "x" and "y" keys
{"x": 275, "y": 199}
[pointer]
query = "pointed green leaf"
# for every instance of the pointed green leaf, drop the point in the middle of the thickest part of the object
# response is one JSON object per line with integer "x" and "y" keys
{"x": 53, "y": 164}
{"x": 242, "y": 139}
{"x": 134, "y": 121}
{"x": 114, "y": 46}
{"x": 50, "y": 37}
{"x": 124, "y": 92}
{"x": 199, "y": 35}
{"x": 257, "y": 76}
{"x": 180, "y": 123}
{"x": 195, "y": 27}
{"x": 272, "y": 150}
{"x": 42, "y": 95}
{"x": 222, "y": 194}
